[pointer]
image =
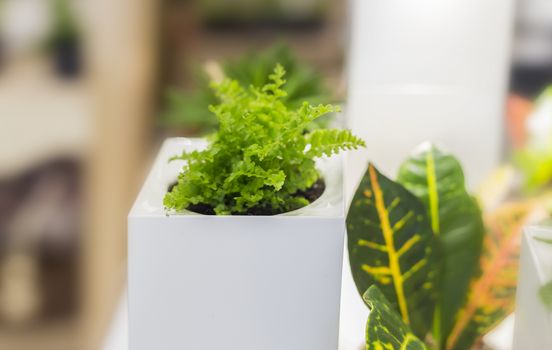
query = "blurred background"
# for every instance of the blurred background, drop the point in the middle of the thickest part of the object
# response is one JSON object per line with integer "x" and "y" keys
{"x": 89, "y": 89}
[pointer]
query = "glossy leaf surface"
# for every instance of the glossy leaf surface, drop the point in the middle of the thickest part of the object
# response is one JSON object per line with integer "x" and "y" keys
{"x": 436, "y": 178}
{"x": 385, "y": 329}
{"x": 391, "y": 245}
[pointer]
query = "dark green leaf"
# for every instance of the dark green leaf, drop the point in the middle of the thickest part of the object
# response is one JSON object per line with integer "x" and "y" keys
{"x": 385, "y": 329}
{"x": 436, "y": 178}
{"x": 391, "y": 245}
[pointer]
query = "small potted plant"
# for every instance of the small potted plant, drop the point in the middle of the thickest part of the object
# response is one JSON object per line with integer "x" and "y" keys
{"x": 245, "y": 250}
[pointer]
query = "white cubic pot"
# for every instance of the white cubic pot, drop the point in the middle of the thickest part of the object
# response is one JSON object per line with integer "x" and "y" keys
{"x": 199, "y": 282}
{"x": 533, "y": 324}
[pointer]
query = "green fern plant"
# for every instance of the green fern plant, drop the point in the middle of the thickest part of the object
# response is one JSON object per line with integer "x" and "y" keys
{"x": 260, "y": 158}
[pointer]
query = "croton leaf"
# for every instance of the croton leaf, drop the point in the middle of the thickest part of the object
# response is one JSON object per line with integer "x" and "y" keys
{"x": 385, "y": 329}
{"x": 436, "y": 178}
{"x": 391, "y": 245}
{"x": 492, "y": 294}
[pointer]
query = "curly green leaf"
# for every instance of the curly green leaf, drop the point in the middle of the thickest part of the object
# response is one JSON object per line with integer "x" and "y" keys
{"x": 331, "y": 141}
{"x": 257, "y": 160}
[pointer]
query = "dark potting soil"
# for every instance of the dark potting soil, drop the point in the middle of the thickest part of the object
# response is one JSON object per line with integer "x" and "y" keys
{"x": 311, "y": 194}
